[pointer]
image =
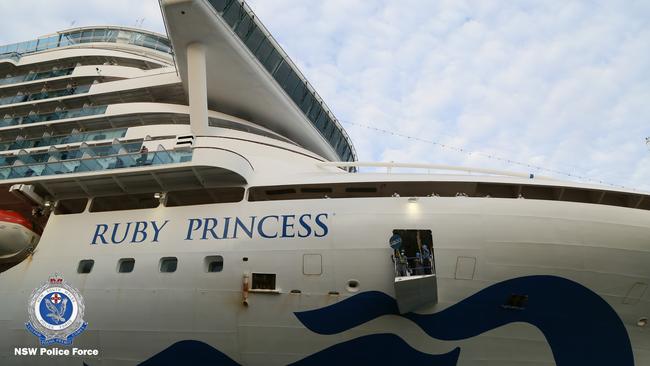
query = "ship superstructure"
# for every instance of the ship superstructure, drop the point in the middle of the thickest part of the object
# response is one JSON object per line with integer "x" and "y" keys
{"x": 209, "y": 208}
{"x": 70, "y": 102}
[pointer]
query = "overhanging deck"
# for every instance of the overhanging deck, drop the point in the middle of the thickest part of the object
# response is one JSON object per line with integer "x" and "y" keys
{"x": 249, "y": 76}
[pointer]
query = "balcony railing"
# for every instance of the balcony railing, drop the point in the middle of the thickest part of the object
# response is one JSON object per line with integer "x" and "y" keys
{"x": 62, "y": 139}
{"x": 36, "y": 76}
{"x": 89, "y": 159}
{"x": 44, "y": 95}
{"x": 88, "y": 35}
{"x": 68, "y": 113}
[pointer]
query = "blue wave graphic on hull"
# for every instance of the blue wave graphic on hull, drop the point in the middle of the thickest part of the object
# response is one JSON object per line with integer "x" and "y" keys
{"x": 377, "y": 349}
{"x": 580, "y": 327}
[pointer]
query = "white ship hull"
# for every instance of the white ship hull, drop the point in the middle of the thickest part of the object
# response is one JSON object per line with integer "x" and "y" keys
{"x": 602, "y": 248}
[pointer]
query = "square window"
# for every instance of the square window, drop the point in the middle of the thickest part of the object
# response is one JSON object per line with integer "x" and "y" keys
{"x": 85, "y": 266}
{"x": 263, "y": 281}
{"x": 168, "y": 264}
{"x": 214, "y": 263}
{"x": 125, "y": 265}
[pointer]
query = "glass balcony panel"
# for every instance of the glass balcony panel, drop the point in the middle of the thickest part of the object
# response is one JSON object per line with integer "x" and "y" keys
{"x": 71, "y": 154}
{"x": 307, "y": 104}
{"x": 329, "y": 129}
{"x": 282, "y": 72}
{"x": 233, "y": 14}
{"x": 71, "y": 166}
{"x": 244, "y": 26}
{"x": 99, "y": 34}
{"x": 321, "y": 121}
{"x": 162, "y": 157}
{"x": 88, "y": 34}
{"x": 127, "y": 161}
{"x": 111, "y": 35}
{"x": 74, "y": 37}
{"x": 291, "y": 82}
{"x": 56, "y": 168}
{"x": 298, "y": 93}
{"x": 272, "y": 62}
{"x": 4, "y": 172}
{"x": 22, "y": 171}
{"x": 64, "y": 41}
{"x": 220, "y": 5}
{"x": 40, "y": 157}
{"x": 263, "y": 50}
{"x": 90, "y": 165}
{"x": 254, "y": 38}
{"x": 314, "y": 113}
{"x": 9, "y": 122}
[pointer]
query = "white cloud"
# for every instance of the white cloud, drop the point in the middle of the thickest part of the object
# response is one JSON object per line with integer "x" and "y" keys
{"x": 563, "y": 85}
{"x": 560, "y": 85}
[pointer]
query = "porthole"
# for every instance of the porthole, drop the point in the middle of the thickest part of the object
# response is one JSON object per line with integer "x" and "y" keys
{"x": 353, "y": 286}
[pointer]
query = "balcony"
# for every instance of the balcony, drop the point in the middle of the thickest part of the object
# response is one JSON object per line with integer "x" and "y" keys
{"x": 87, "y": 35}
{"x": 36, "y": 76}
{"x": 62, "y": 139}
{"x": 87, "y": 159}
{"x": 81, "y": 89}
{"x": 44, "y": 117}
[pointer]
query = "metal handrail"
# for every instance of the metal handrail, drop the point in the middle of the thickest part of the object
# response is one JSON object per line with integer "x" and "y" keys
{"x": 390, "y": 165}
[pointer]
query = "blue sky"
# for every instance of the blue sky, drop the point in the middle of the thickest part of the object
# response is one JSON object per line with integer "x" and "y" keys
{"x": 559, "y": 85}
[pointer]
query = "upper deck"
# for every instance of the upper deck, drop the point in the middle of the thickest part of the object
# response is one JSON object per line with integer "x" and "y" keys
{"x": 250, "y": 76}
{"x": 77, "y": 36}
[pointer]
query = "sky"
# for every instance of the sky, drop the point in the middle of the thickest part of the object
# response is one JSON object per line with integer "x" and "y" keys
{"x": 556, "y": 88}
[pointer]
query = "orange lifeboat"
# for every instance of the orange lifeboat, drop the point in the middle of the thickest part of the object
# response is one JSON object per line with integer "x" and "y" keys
{"x": 16, "y": 233}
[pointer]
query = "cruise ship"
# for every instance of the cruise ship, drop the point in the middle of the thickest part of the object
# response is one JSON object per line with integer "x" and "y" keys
{"x": 190, "y": 198}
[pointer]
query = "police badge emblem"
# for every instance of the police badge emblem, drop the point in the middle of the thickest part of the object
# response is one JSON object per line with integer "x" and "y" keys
{"x": 56, "y": 312}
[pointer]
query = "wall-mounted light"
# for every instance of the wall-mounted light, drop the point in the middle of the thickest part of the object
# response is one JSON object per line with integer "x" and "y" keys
{"x": 642, "y": 322}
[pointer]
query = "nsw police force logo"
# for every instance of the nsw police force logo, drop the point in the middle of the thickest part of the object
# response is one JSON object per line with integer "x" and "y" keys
{"x": 56, "y": 312}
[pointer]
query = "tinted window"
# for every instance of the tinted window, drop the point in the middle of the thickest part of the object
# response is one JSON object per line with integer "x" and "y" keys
{"x": 71, "y": 206}
{"x": 85, "y": 266}
{"x": 214, "y": 263}
{"x": 124, "y": 202}
{"x": 125, "y": 265}
{"x": 168, "y": 265}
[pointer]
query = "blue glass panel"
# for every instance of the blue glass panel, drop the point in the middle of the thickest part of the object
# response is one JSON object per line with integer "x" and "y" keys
{"x": 291, "y": 82}
{"x": 233, "y": 14}
{"x": 244, "y": 26}
{"x": 299, "y": 93}
{"x": 254, "y": 38}
{"x": 307, "y": 103}
{"x": 220, "y": 5}
{"x": 314, "y": 113}
{"x": 263, "y": 50}
{"x": 272, "y": 62}
{"x": 321, "y": 122}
